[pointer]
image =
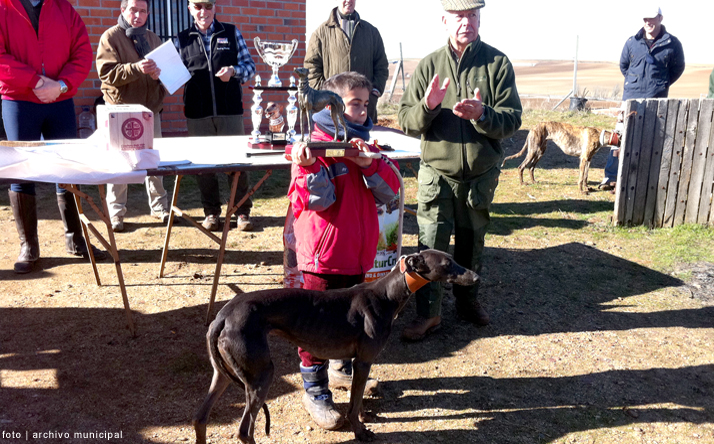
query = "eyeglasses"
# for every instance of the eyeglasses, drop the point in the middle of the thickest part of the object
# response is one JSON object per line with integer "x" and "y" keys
{"x": 199, "y": 6}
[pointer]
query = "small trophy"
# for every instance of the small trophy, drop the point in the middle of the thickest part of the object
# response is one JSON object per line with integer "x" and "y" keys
{"x": 256, "y": 113}
{"x": 275, "y": 54}
{"x": 276, "y": 123}
{"x": 292, "y": 110}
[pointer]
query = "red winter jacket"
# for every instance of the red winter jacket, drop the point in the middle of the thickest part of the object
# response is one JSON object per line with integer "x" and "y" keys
{"x": 61, "y": 51}
{"x": 336, "y": 225}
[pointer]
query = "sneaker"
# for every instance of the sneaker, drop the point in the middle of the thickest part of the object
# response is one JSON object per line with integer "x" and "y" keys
{"x": 243, "y": 223}
{"x": 117, "y": 224}
{"x": 420, "y": 328}
{"x": 162, "y": 215}
{"x": 322, "y": 410}
{"x": 211, "y": 223}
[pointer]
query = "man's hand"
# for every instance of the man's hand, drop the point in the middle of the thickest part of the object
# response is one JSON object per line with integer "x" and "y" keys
{"x": 149, "y": 68}
{"x": 470, "y": 109}
{"x": 226, "y": 73}
{"x": 47, "y": 90}
{"x": 435, "y": 95}
{"x": 301, "y": 155}
{"x": 363, "y": 162}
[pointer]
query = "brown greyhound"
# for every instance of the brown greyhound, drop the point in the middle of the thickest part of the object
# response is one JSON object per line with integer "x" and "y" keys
{"x": 312, "y": 100}
{"x": 580, "y": 141}
{"x": 335, "y": 324}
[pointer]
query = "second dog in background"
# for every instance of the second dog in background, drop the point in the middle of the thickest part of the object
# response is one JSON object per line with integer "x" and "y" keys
{"x": 580, "y": 141}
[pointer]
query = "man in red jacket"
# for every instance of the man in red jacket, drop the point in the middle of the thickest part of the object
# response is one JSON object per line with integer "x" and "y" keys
{"x": 41, "y": 68}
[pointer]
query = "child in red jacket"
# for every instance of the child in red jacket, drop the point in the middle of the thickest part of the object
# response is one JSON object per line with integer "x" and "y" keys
{"x": 336, "y": 226}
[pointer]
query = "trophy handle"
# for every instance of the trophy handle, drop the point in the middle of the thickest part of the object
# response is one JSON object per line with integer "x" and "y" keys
{"x": 259, "y": 47}
{"x": 295, "y": 45}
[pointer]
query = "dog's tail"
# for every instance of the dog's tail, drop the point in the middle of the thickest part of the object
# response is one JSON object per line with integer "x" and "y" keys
{"x": 214, "y": 331}
{"x": 518, "y": 154}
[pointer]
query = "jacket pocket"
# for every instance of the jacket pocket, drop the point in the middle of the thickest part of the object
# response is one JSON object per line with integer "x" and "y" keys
{"x": 482, "y": 190}
{"x": 428, "y": 185}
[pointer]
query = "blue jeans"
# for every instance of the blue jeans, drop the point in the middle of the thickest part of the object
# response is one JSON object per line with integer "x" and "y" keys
{"x": 28, "y": 121}
{"x": 611, "y": 167}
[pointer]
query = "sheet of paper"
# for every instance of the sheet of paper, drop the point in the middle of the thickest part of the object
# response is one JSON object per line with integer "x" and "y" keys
{"x": 173, "y": 72}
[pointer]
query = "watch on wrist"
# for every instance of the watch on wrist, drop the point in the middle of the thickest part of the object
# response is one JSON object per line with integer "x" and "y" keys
{"x": 63, "y": 86}
{"x": 483, "y": 116}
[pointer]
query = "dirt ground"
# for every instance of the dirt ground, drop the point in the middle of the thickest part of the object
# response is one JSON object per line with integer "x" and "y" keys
{"x": 585, "y": 346}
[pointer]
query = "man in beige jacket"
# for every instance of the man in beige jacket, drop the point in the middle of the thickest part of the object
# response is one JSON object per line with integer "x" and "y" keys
{"x": 129, "y": 78}
{"x": 344, "y": 43}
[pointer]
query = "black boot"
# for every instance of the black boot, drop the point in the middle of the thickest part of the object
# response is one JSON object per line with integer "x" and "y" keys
{"x": 317, "y": 398}
{"x": 468, "y": 307}
{"x": 24, "y": 209}
{"x": 73, "y": 238}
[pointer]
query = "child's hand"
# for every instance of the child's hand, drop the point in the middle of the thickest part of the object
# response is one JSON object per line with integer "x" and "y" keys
{"x": 361, "y": 145}
{"x": 301, "y": 155}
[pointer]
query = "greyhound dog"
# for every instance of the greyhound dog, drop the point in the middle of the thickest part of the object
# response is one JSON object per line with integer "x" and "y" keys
{"x": 311, "y": 101}
{"x": 335, "y": 324}
{"x": 581, "y": 141}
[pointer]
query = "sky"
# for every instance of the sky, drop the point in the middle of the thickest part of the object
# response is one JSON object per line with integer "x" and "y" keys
{"x": 535, "y": 30}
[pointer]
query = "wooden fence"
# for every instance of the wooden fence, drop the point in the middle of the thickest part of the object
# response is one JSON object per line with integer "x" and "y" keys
{"x": 666, "y": 171}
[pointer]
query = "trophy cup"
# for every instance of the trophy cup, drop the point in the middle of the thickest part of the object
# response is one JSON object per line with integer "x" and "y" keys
{"x": 275, "y": 54}
{"x": 292, "y": 110}
{"x": 256, "y": 113}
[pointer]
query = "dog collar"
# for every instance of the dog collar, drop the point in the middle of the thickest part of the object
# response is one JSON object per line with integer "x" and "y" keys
{"x": 414, "y": 280}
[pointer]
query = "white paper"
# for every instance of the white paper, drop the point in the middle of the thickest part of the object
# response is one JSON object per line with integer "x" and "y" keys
{"x": 173, "y": 72}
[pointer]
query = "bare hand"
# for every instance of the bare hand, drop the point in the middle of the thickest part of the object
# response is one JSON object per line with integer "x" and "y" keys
{"x": 148, "y": 67}
{"x": 226, "y": 73}
{"x": 363, "y": 162}
{"x": 435, "y": 95}
{"x": 48, "y": 91}
{"x": 470, "y": 109}
{"x": 301, "y": 155}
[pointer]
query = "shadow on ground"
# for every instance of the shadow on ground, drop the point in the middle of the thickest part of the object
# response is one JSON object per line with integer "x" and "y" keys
{"x": 161, "y": 376}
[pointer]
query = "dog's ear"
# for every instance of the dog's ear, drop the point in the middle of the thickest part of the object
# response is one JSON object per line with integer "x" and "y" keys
{"x": 416, "y": 262}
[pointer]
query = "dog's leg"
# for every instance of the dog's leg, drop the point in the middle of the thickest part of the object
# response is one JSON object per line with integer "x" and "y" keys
{"x": 583, "y": 181}
{"x": 360, "y": 373}
{"x": 219, "y": 383}
{"x": 256, "y": 392}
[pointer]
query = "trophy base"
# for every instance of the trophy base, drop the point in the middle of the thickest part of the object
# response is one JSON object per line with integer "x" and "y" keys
{"x": 264, "y": 143}
{"x": 331, "y": 149}
{"x": 279, "y": 138}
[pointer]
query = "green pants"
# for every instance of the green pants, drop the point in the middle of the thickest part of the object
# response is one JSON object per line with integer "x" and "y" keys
{"x": 446, "y": 206}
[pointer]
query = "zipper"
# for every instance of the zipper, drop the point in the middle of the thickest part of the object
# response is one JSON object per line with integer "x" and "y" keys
{"x": 210, "y": 70}
{"x": 321, "y": 244}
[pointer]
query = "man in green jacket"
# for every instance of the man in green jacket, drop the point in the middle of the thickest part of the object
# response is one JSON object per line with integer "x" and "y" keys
{"x": 460, "y": 124}
{"x": 344, "y": 43}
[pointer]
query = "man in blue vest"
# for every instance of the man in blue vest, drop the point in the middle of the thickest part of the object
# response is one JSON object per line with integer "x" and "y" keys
{"x": 651, "y": 61}
{"x": 217, "y": 57}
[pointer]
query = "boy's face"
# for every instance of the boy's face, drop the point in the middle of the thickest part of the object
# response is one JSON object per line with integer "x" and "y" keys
{"x": 356, "y": 101}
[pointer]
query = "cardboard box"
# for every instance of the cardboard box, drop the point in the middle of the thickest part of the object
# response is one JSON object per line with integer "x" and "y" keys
{"x": 126, "y": 127}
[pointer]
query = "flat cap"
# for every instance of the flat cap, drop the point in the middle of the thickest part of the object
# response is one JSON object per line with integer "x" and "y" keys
{"x": 462, "y": 5}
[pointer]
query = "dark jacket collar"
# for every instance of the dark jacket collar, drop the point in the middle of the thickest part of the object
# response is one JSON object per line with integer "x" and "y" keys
{"x": 663, "y": 35}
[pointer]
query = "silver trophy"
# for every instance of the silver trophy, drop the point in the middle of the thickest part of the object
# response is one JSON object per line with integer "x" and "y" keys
{"x": 275, "y": 54}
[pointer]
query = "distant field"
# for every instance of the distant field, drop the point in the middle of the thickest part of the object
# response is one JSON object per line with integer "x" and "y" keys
{"x": 555, "y": 78}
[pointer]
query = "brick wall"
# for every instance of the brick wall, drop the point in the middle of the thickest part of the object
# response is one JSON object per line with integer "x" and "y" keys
{"x": 269, "y": 20}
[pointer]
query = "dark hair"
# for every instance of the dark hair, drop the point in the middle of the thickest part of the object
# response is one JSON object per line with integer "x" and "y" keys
{"x": 347, "y": 81}
{"x": 126, "y": 2}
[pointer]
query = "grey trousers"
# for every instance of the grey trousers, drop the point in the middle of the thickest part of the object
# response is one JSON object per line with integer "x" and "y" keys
{"x": 208, "y": 183}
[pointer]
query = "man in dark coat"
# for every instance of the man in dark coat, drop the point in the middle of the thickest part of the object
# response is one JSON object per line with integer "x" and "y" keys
{"x": 651, "y": 61}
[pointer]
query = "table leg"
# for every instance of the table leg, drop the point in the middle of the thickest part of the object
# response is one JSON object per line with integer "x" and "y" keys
{"x": 110, "y": 246}
{"x": 174, "y": 209}
{"x": 224, "y": 239}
